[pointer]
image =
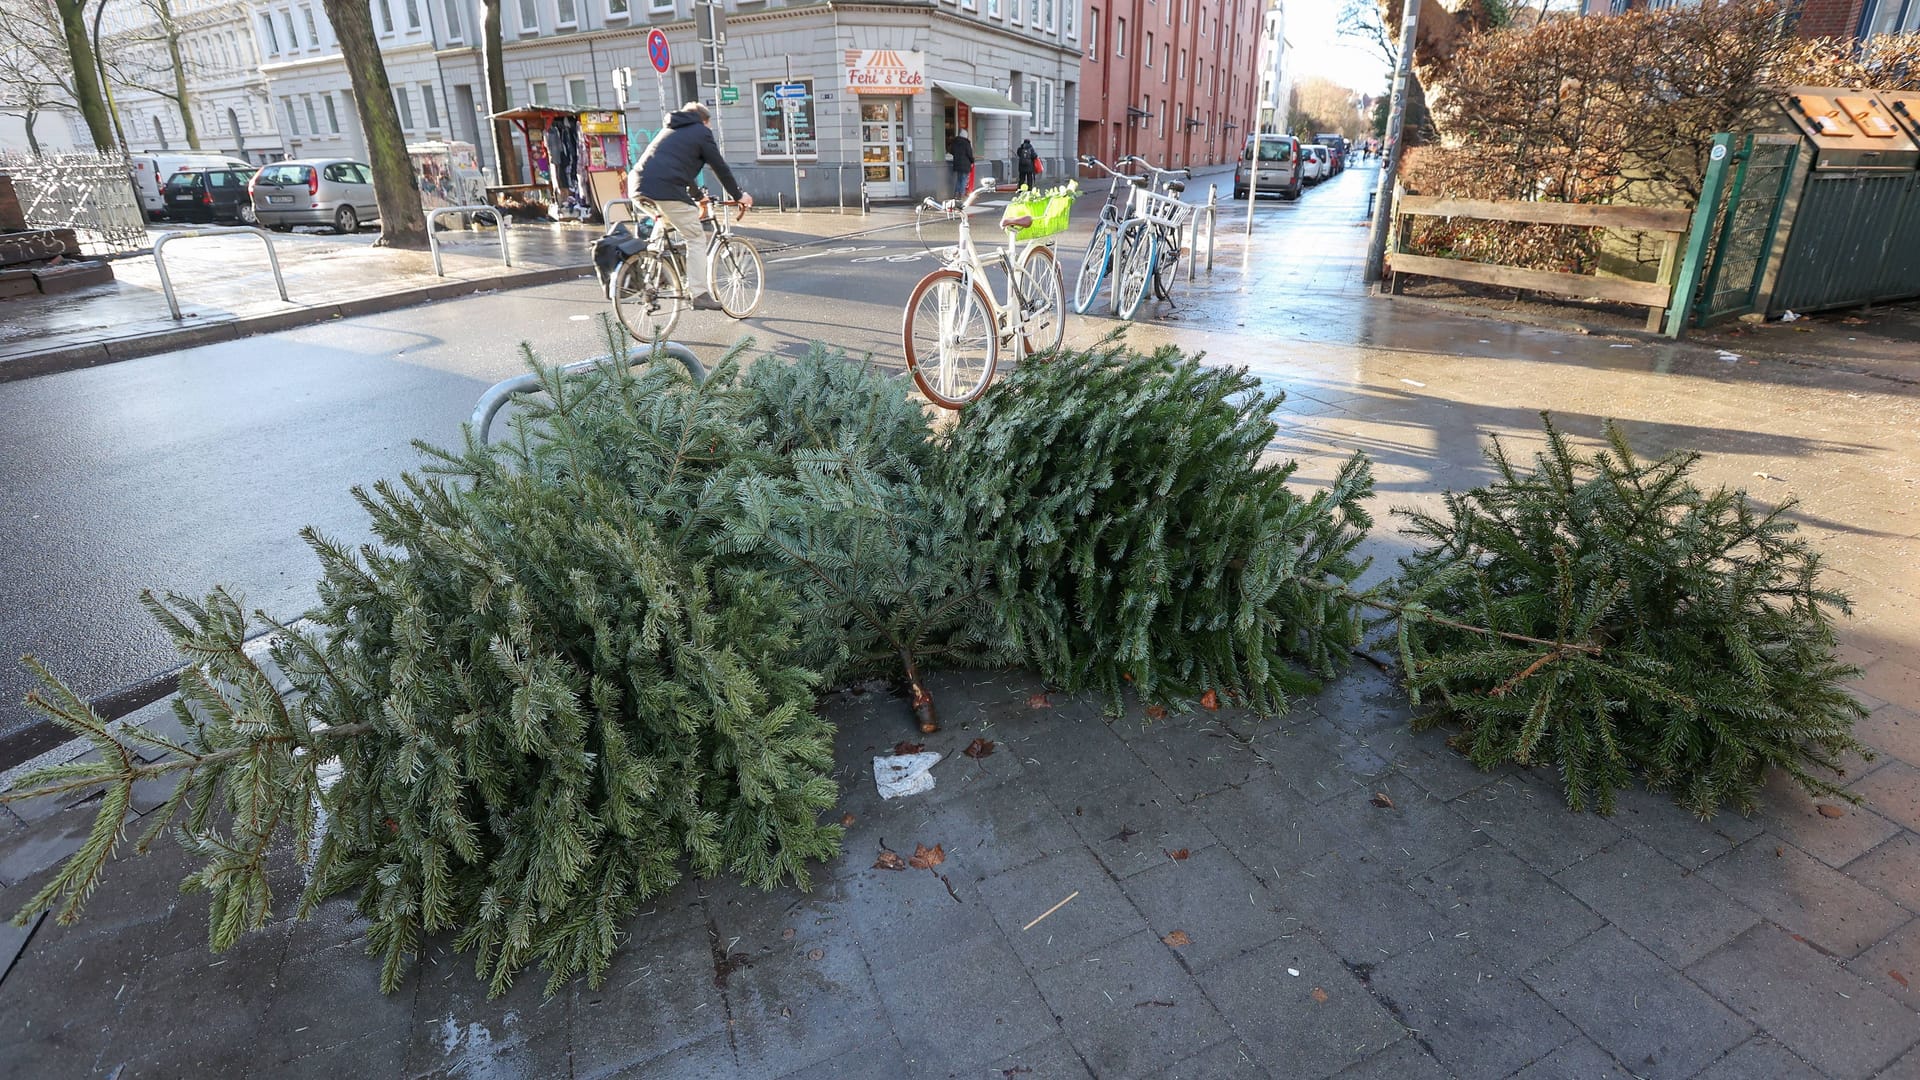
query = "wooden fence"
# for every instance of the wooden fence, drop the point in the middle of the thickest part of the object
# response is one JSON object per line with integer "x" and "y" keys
{"x": 1656, "y": 295}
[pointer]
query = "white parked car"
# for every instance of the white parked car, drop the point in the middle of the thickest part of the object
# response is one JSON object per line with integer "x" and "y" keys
{"x": 1315, "y": 163}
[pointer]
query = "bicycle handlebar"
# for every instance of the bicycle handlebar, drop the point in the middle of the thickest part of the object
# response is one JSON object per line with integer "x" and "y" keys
{"x": 1184, "y": 174}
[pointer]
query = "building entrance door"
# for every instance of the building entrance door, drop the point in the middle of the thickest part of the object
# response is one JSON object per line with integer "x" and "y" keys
{"x": 883, "y": 146}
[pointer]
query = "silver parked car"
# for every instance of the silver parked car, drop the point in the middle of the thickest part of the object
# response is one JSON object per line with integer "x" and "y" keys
{"x": 323, "y": 191}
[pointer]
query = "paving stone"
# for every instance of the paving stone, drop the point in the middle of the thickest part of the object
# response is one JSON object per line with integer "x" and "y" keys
{"x": 49, "y": 839}
{"x": 881, "y": 1058}
{"x": 1364, "y": 701}
{"x": 659, "y": 997}
{"x": 1224, "y": 909}
{"x": 1210, "y": 751}
{"x": 1474, "y": 1017}
{"x": 1578, "y": 1059}
{"x": 1441, "y": 771}
{"x": 1759, "y": 1057}
{"x": 1404, "y": 1060}
{"x": 13, "y": 939}
{"x": 352, "y": 1010}
{"x": 1075, "y": 759}
{"x": 1890, "y": 680}
{"x": 1679, "y": 915}
{"x": 1893, "y": 790}
{"x": 1842, "y": 1026}
{"x": 455, "y": 1028}
{"x": 1893, "y": 731}
{"x": 709, "y": 1059}
{"x": 1328, "y": 764}
{"x": 1907, "y": 1068}
{"x": 1230, "y": 1060}
{"x": 1795, "y": 816}
{"x": 381, "y": 1054}
{"x": 1359, "y": 909}
{"x": 1504, "y": 909}
{"x": 962, "y": 1004}
{"x": 193, "y": 1008}
{"x": 1893, "y": 868}
{"x": 59, "y": 1006}
{"x": 1416, "y": 833}
{"x": 1130, "y": 1009}
{"x": 1806, "y": 896}
{"x": 1132, "y": 828}
{"x": 1054, "y": 1057}
{"x": 1640, "y": 1009}
{"x": 983, "y": 837}
{"x": 1100, "y": 914}
{"x": 895, "y": 912}
{"x": 1269, "y": 825}
{"x": 1898, "y": 955}
{"x": 1287, "y": 1024}
{"x": 1535, "y": 823}
{"x": 1653, "y": 819}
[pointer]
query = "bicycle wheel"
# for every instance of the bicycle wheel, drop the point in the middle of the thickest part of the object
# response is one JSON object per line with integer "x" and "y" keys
{"x": 1043, "y": 300}
{"x": 1133, "y": 270}
{"x": 649, "y": 295}
{"x": 952, "y": 338}
{"x": 1166, "y": 262}
{"x": 1093, "y": 269}
{"x": 739, "y": 277}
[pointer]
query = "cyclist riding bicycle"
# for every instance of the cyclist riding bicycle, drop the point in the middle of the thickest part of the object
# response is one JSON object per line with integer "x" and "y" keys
{"x": 664, "y": 176}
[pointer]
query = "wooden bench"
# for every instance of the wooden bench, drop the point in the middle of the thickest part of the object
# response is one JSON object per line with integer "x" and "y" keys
{"x": 1670, "y": 225}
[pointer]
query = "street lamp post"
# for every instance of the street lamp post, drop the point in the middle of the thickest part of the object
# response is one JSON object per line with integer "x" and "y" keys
{"x": 1390, "y": 163}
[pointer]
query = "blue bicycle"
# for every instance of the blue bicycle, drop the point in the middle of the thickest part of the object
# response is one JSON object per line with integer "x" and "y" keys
{"x": 1098, "y": 260}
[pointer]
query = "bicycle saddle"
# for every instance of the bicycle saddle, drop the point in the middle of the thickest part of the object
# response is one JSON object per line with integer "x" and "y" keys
{"x": 1024, "y": 221}
{"x": 1176, "y": 186}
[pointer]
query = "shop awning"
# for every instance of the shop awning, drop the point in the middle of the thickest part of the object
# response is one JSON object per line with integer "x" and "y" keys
{"x": 981, "y": 99}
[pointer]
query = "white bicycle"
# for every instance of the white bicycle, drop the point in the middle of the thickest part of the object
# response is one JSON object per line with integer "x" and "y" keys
{"x": 955, "y": 328}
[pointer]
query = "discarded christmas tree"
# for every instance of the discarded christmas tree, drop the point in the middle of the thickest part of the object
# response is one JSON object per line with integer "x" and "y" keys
{"x": 1641, "y": 624}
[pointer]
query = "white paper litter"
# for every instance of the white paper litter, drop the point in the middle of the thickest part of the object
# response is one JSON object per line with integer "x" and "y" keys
{"x": 1295, "y": 972}
{"x": 904, "y": 774}
{"x": 1790, "y": 317}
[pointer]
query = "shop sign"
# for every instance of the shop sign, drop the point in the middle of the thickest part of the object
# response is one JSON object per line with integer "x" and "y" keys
{"x": 601, "y": 123}
{"x": 886, "y": 71}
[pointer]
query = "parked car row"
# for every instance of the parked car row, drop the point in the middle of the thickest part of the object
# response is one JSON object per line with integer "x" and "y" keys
{"x": 210, "y": 188}
{"x": 1287, "y": 165}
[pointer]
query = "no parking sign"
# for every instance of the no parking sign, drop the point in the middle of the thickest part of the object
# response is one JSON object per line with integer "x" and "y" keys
{"x": 657, "y": 51}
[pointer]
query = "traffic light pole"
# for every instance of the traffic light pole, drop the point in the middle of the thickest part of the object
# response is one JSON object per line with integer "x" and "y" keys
{"x": 1390, "y": 161}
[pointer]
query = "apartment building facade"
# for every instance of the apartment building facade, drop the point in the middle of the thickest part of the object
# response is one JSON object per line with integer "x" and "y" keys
{"x": 1275, "y": 66}
{"x": 887, "y": 82}
{"x": 226, "y": 90}
{"x": 1173, "y": 81}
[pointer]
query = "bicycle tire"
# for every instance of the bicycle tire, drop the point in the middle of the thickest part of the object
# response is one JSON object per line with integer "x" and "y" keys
{"x": 1099, "y": 256}
{"x": 738, "y": 276}
{"x": 648, "y": 296}
{"x": 1043, "y": 300}
{"x": 1166, "y": 260}
{"x": 1133, "y": 280}
{"x": 960, "y": 306}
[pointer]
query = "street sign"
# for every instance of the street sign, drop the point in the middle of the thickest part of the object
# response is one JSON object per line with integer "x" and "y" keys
{"x": 657, "y": 51}
{"x": 791, "y": 91}
{"x": 729, "y": 95}
{"x": 792, "y": 105}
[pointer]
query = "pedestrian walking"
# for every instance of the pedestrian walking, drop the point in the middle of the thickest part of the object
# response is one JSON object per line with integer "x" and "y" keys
{"x": 960, "y": 159}
{"x": 1027, "y": 156}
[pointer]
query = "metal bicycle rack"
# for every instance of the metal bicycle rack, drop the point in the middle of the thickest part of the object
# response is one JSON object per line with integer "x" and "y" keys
{"x": 607, "y": 210}
{"x": 1211, "y": 211}
{"x": 166, "y": 282}
{"x": 433, "y": 236}
{"x": 497, "y": 395}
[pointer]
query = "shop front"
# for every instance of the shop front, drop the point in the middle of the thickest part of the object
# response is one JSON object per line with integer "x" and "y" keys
{"x": 992, "y": 120}
{"x": 884, "y": 82}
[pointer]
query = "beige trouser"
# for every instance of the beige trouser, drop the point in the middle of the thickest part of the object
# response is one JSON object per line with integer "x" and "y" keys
{"x": 685, "y": 219}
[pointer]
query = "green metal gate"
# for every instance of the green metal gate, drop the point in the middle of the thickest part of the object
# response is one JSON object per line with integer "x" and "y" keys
{"x": 1746, "y": 185}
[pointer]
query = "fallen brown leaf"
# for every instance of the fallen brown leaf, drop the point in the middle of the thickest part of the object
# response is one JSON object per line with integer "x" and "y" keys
{"x": 908, "y": 747}
{"x": 816, "y": 954}
{"x": 1177, "y": 855}
{"x": 889, "y": 860}
{"x": 787, "y": 934}
{"x": 1177, "y": 939}
{"x": 1899, "y": 978}
{"x": 1779, "y": 853}
{"x": 926, "y": 858}
{"x": 1319, "y": 995}
{"x": 1381, "y": 800}
{"x": 1830, "y": 810}
{"x": 979, "y": 748}
{"x": 1039, "y": 701}
{"x": 1209, "y": 700}
{"x": 847, "y": 820}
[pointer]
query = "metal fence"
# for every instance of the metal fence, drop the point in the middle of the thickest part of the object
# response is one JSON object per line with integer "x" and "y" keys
{"x": 92, "y": 194}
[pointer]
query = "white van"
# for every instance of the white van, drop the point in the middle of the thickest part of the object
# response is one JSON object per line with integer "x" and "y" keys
{"x": 150, "y": 172}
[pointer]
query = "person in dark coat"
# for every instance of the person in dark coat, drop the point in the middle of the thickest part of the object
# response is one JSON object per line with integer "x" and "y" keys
{"x": 664, "y": 176}
{"x": 961, "y": 152}
{"x": 1027, "y": 155}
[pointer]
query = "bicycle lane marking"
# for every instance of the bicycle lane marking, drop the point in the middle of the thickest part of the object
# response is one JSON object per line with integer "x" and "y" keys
{"x": 823, "y": 252}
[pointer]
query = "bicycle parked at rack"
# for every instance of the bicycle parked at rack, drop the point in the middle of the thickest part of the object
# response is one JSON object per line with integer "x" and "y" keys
{"x": 1141, "y": 248}
{"x": 1098, "y": 259}
{"x": 649, "y": 289}
{"x": 955, "y": 328}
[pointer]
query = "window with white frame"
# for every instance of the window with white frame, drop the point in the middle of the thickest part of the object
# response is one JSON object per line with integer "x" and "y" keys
{"x": 537, "y": 92}
{"x": 1046, "y": 105}
{"x": 566, "y": 13}
{"x": 293, "y": 36}
{"x": 455, "y": 29}
{"x": 431, "y": 106}
{"x": 1014, "y": 8}
{"x": 1093, "y": 34}
{"x": 1053, "y": 15}
{"x": 404, "y": 102}
{"x": 313, "y": 31}
{"x": 293, "y": 118}
{"x": 617, "y": 9}
{"x": 384, "y": 8}
{"x": 1163, "y": 117}
{"x": 1182, "y": 76}
{"x": 993, "y": 9}
{"x": 577, "y": 93}
{"x": 1166, "y": 61}
{"x": 413, "y": 14}
{"x": 969, "y": 5}
{"x": 662, "y": 7}
{"x": 1068, "y": 27}
{"x": 313, "y": 118}
{"x": 529, "y": 17}
{"x": 333, "y": 115}
{"x": 1030, "y": 97}
{"x": 1148, "y": 61}
{"x": 1033, "y": 13}
{"x": 1120, "y": 37}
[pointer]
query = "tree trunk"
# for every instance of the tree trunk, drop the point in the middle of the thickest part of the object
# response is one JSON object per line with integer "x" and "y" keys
{"x": 86, "y": 84}
{"x": 167, "y": 26}
{"x": 402, "y": 223}
{"x": 493, "y": 61}
{"x": 106, "y": 84}
{"x": 1445, "y": 25}
{"x": 33, "y": 144}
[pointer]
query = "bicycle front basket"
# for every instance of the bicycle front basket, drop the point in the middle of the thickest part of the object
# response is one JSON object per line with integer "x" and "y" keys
{"x": 1050, "y": 211}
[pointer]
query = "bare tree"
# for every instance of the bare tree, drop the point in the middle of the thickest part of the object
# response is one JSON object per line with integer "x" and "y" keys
{"x": 81, "y": 67}
{"x": 33, "y": 65}
{"x": 395, "y": 188}
{"x": 149, "y": 57}
{"x": 1360, "y": 20}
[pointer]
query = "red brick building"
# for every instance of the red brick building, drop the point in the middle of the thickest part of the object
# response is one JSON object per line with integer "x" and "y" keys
{"x": 1816, "y": 18}
{"x": 1170, "y": 80}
